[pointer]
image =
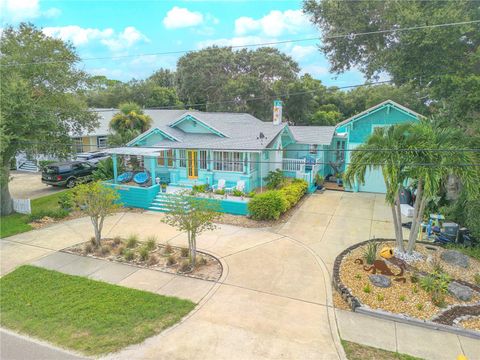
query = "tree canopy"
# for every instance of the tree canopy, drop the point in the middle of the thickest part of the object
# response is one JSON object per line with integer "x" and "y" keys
{"x": 42, "y": 104}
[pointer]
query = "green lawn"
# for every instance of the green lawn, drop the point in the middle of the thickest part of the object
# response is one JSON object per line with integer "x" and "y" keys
{"x": 18, "y": 223}
{"x": 356, "y": 351}
{"x": 88, "y": 316}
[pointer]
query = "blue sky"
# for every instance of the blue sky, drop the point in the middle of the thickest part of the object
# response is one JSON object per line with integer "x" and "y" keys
{"x": 129, "y": 27}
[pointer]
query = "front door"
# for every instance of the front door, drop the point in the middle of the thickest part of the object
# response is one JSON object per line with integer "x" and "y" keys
{"x": 192, "y": 164}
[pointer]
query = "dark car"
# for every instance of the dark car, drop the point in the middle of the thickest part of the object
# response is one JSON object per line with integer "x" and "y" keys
{"x": 67, "y": 173}
{"x": 92, "y": 157}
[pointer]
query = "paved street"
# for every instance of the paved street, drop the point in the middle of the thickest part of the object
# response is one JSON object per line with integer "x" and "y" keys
{"x": 274, "y": 298}
{"x": 27, "y": 185}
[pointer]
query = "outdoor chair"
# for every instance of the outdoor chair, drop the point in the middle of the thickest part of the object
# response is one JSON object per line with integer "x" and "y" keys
{"x": 220, "y": 185}
{"x": 141, "y": 178}
{"x": 125, "y": 177}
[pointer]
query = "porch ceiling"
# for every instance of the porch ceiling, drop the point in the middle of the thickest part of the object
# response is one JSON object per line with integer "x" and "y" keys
{"x": 135, "y": 151}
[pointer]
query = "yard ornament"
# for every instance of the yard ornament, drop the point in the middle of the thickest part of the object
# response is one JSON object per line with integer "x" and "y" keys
{"x": 386, "y": 252}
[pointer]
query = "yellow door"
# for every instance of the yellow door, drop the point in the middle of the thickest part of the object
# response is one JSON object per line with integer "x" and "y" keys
{"x": 192, "y": 164}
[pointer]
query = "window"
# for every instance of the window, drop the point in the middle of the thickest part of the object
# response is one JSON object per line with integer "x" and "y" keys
{"x": 101, "y": 142}
{"x": 203, "y": 159}
{"x": 227, "y": 161}
{"x": 182, "y": 158}
{"x": 340, "y": 150}
{"x": 254, "y": 158}
{"x": 313, "y": 149}
{"x": 161, "y": 159}
{"x": 165, "y": 157}
{"x": 170, "y": 158}
{"x": 78, "y": 145}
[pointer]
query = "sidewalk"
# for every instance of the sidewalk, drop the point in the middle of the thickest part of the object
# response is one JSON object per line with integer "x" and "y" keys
{"x": 403, "y": 338}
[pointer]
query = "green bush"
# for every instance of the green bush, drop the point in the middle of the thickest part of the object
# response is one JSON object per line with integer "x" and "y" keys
{"x": 370, "y": 252}
{"x": 220, "y": 192}
{"x": 129, "y": 255}
{"x": 199, "y": 188}
{"x": 268, "y": 206}
{"x": 435, "y": 283}
{"x": 275, "y": 179}
{"x": 104, "y": 169}
{"x": 143, "y": 253}
{"x": 237, "y": 192}
{"x": 294, "y": 191}
{"x": 65, "y": 201}
{"x": 151, "y": 243}
{"x": 132, "y": 241}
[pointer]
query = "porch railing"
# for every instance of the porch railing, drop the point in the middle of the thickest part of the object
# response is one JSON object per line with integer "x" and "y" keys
{"x": 293, "y": 164}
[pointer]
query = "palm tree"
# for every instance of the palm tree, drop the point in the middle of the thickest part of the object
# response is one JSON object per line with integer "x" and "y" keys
{"x": 436, "y": 153}
{"x": 382, "y": 151}
{"x": 130, "y": 121}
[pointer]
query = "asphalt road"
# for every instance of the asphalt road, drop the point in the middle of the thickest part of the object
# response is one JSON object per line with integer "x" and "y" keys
{"x": 17, "y": 347}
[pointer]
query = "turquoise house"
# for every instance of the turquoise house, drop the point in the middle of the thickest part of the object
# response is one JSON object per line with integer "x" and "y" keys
{"x": 184, "y": 148}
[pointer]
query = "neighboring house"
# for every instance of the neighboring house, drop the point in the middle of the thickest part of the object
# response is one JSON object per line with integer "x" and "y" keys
{"x": 185, "y": 148}
{"x": 83, "y": 142}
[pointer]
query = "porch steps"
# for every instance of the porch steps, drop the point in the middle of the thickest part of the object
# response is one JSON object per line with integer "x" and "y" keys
{"x": 28, "y": 165}
{"x": 162, "y": 201}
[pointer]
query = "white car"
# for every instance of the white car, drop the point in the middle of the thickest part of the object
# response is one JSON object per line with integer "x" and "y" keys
{"x": 92, "y": 157}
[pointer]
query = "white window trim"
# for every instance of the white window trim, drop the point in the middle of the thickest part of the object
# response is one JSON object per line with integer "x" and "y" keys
{"x": 99, "y": 140}
{"x": 227, "y": 160}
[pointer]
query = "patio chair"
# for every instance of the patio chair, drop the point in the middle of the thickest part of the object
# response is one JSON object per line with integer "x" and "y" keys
{"x": 240, "y": 185}
{"x": 220, "y": 185}
{"x": 141, "y": 178}
{"x": 125, "y": 177}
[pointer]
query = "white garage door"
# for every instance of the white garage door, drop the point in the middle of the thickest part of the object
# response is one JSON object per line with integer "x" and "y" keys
{"x": 373, "y": 182}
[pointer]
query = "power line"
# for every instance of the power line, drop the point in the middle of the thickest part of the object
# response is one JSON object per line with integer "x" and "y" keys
{"x": 269, "y": 43}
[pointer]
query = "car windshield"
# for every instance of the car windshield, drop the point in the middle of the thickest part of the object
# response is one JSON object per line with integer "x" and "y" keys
{"x": 83, "y": 157}
{"x": 57, "y": 169}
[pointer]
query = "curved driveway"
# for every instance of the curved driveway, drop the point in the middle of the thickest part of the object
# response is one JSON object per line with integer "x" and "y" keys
{"x": 274, "y": 298}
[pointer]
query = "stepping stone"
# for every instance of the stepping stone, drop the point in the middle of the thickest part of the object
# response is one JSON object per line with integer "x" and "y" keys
{"x": 380, "y": 280}
{"x": 455, "y": 258}
{"x": 460, "y": 291}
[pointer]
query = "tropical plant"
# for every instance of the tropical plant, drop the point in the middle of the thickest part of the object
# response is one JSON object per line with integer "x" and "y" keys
{"x": 128, "y": 123}
{"x": 97, "y": 201}
{"x": 194, "y": 216}
{"x": 104, "y": 169}
{"x": 370, "y": 252}
{"x": 275, "y": 179}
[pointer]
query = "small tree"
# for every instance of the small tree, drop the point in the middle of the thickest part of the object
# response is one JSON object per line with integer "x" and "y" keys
{"x": 192, "y": 215}
{"x": 128, "y": 123}
{"x": 97, "y": 201}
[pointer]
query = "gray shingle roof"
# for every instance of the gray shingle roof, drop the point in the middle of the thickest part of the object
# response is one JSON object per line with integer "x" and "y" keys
{"x": 319, "y": 135}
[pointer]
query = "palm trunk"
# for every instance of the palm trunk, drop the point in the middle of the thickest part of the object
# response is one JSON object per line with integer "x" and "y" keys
{"x": 5, "y": 198}
{"x": 399, "y": 224}
{"x": 415, "y": 224}
{"x": 395, "y": 225}
{"x": 421, "y": 210}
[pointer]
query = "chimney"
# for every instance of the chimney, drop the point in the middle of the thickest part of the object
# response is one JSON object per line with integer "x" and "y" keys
{"x": 277, "y": 112}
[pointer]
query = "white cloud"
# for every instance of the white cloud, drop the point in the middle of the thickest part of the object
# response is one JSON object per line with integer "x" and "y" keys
{"x": 179, "y": 17}
{"x": 19, "y": 10}
{"x": 315, "y": 70}
{"x": 299, "y": 52}
{"x": 275, "y": 23}
{"x": 108, "y": 37}
{"x": 235, "y": 41}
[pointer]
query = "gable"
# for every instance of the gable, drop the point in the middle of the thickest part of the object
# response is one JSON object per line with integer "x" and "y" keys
{"x": 361, "y": 126}
{"x": 192, "y": 125}
{"x": 151, "y": 137}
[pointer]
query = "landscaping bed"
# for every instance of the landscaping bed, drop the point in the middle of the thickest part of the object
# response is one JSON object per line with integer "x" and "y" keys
{"x": 431, "y": 287}
{"x": 84, "y": 315}
{"x": 149, "y": 254}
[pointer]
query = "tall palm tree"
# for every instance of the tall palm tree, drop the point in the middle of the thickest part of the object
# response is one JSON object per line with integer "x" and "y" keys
{"x": 383, "y": 151}
{"x": 436, "y": 153}
{"x": 130, "y": 120}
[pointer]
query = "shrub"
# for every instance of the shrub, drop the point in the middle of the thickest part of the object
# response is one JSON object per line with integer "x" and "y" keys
{"x": 168, "y": 249}
{"x": 380, "y": 297}
{"x": 367, "y": 289}
{"x": 88, "y": 248}
{"x": 237, "y": 192}
{"x": 370, "y": 252}
{"x": 294, "y": 191}
{"x": 251, "y": 194}
{"x": 275, "y": 179}
{"x": 184, "y": 252}
{"x": 199, "y": 188}
{"x": 437, "y": 266}
{"x": 268, "y": 206}
{"x": 128, "y": 254}
{"x": 427, "y": 283}
{"x": 65, "y": 201}
{"x": 171, "y": 260}
{"x": 401, "y": 298}
{"x": 120, "y": 249}
{"x": 415, "y": 289}
{"x": 184, "y": 266}
{"x": 51, "y": 213}
{"x": 419, "y": 307}
{"x": 151, "y": 243}
{"x": 93, "y": 241}
{"x": 358, "y": 276}
{"x": 132, "y": 241}
{"x": 438, "y": 298}
{"x": 220, "y": 192}
{"x": 435, "y": 282}
{"x": 143, "y": 253}
{"x": 201, "y": 260}
{"x": 105, "y": 250}
{"x": 152, "y": 260}
{"x": 117, "y": 240}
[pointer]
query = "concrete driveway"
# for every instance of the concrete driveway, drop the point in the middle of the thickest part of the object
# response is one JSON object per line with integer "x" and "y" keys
{"x": 26, "y": 185}
{"x": 274, "y": 298}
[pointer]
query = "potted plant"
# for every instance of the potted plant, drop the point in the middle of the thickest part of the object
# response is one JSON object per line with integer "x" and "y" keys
{"x": 319, "y": 180}
{"x": 164, "y": 187}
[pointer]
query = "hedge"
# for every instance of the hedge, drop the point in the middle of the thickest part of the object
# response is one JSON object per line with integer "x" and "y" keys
{"x": 273, "y": 203}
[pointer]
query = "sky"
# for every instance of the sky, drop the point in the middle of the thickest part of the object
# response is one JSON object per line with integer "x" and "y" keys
{"x": 126, "y": 29}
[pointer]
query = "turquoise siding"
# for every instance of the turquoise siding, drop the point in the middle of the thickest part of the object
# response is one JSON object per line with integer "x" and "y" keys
{"x": 135, "y": 196}
{"x": 232, "y": 207}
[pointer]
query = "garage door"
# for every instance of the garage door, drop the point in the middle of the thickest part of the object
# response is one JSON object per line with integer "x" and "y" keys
{"x": 373, "y": 182}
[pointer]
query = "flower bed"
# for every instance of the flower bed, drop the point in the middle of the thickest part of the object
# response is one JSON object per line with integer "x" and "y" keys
{"x": 151, "y": 255}
{"x": 419, "y": 290}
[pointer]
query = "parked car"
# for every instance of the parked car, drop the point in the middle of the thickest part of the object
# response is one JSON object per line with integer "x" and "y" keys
{"x": 92, "y": 157}
{"x": 67, "y": 173}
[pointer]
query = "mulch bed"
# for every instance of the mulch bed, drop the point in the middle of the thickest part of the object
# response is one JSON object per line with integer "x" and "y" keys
{"x": 407, "y": 298}
{"x": 163, "y": 258}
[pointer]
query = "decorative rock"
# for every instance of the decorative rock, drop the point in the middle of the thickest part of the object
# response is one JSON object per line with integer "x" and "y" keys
{"x": 461, "y": 292}
{"x": 455, "y": 258}
{"x": 380, "y": 281}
